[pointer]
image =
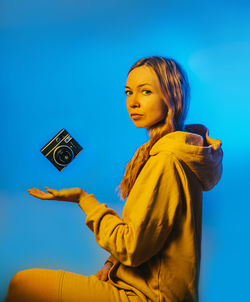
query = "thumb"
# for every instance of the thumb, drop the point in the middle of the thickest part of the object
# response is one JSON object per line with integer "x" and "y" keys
{"x": 49, "y": 190}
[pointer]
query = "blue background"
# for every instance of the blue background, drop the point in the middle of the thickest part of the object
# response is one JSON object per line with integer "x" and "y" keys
{"x": 63, "y": 64}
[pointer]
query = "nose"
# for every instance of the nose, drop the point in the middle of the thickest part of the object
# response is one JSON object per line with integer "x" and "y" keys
{"x": 132, "y": 101}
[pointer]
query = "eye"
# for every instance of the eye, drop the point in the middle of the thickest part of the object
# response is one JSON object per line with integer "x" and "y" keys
{"x": 128, "y": 92}
{"x": 146, "y": 92}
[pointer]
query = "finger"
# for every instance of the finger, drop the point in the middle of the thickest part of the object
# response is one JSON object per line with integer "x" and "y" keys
{"x": 104, "y": 275}
{"x": 56, "y": 193}
{"x": 35, "y": 191}
{"x": 48, "y": 197}
{"x": 98, "y": 275}
{"x": 50, "y": 190}
{"x": 31, "y": 189}
{"x": 40, "y": 194}
{"x": 104, "y": 278}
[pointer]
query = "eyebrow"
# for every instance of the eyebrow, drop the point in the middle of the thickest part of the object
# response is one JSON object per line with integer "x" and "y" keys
{"x": 139, "y": 85}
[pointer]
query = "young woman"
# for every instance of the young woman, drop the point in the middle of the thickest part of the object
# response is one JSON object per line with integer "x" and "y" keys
{"x": 155, "y": 247}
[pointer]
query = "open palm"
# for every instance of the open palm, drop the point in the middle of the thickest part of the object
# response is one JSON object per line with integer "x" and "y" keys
{"x": 71, "y": 195}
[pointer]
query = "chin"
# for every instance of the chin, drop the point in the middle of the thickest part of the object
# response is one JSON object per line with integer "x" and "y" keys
{"x": 140, "y": 126}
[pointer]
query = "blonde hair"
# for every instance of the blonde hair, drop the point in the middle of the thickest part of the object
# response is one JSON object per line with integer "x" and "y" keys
{"x": 176, "y": 91}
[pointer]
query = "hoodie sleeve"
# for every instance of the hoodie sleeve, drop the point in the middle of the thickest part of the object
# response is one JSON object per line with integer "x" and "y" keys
{"x": 148, "y": 215}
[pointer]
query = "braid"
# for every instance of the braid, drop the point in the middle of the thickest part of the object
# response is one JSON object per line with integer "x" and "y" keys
{"x": 134, "y": 167}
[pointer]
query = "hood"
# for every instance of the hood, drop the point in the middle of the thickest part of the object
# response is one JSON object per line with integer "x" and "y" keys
{"x": 201, "y": 153}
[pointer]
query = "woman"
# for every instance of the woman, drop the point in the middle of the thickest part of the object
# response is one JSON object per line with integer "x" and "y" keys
{"x": 155, "y": 247}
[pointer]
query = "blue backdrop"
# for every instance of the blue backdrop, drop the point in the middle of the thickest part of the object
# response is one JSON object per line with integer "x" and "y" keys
{"x": 63, "y": 64}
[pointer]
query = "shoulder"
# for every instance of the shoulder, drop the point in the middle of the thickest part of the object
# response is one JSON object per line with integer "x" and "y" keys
{"x": 164, "y": 163}
{"x": 161, "y": 177}
{"x": 163, "y": 159}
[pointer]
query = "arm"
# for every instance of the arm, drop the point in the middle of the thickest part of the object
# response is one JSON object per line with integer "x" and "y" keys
{"x": 148, "y": 215}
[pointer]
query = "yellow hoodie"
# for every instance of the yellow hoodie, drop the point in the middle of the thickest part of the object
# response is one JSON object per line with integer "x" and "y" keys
{"x": 155, "y": 246}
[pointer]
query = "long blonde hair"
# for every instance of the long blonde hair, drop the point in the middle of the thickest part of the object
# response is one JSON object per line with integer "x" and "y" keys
{"x": 176, "y": 91}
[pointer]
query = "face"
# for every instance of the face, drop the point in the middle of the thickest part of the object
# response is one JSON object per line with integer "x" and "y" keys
{"x": 144, "y": 97}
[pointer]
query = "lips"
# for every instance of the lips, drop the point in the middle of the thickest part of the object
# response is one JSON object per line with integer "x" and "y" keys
{"x": 135, "y": 114}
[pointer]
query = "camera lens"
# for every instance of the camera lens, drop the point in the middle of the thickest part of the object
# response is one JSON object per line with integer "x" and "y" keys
{"x": 63, "y": 155}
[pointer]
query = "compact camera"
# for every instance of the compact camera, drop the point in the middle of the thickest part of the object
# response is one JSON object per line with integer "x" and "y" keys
{"x": 61, "y": 149}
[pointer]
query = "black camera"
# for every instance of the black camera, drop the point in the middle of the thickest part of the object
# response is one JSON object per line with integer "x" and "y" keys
{"x": 61, "y": 149}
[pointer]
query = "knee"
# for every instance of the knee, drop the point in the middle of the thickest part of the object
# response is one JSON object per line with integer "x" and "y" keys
{"x": 19, "y": 283}
{"x": 21, "y": 277}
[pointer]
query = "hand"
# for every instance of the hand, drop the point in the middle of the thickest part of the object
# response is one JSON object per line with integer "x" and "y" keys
{"x": 103, "y": 272}
{"x": 71, "y": 195}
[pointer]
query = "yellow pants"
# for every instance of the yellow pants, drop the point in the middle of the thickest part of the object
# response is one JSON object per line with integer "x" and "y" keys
{"x": 43, "y": 285}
